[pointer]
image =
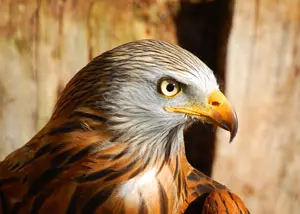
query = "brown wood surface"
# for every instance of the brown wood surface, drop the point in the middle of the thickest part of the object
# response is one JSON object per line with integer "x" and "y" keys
{"x": 263, "y": 82}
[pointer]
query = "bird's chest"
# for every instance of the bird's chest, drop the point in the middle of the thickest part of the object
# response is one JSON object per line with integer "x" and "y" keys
{"x": 149, "y": 193}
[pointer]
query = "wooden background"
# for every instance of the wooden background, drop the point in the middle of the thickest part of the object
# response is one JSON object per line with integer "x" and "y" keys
{"x": 44, "y": 42}
{"x": 263, "y": 82}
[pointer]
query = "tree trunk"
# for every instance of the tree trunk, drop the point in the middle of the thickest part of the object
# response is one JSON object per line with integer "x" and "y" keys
{"x": 263, "y": 82}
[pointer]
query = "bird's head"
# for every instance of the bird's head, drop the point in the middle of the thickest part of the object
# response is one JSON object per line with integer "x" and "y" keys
{"x": 150, "y": 90}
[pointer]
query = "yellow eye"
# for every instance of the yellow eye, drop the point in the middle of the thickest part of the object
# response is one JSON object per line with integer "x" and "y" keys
{"x": 169, "y": 87}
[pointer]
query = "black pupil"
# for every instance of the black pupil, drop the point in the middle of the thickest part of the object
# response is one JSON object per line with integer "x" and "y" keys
{"x": 170, "y": 87}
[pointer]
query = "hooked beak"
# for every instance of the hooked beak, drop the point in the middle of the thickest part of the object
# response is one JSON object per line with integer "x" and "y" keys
{"x": 218, "y": 111}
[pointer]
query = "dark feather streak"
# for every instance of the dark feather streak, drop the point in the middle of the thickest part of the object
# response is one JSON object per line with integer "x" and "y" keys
{"x": 106, "y": 156}
{"x": 58, "y": 147}
{"x": 122, "y": 171}
{"x": 43, "y": 150}
{"x": 230, "y": 195}
{"x": 120, "y": 154}
{"x": 204, "y": 188}
{"x": 86, "y": 115}
{"x": 39, "y": 201}
{"x": 67, "y": 128}
{"x": 40, "y": 183}
{"x": 82, "y": 153}
{"x": 97, "y": 200}
{"x": 163, "y": 199}
{"x": 61, "y": 157}
{"x": 176, "y": 168}
{"x": 140, "y": 169}
{"x": 143, "y": 209}
{"x": 94, "y": 176}
{"x": 72, "y": 205}
{"x": 179, "y": 183}
{"x": 193, "y": 177}
{"x": 224, "y": 203}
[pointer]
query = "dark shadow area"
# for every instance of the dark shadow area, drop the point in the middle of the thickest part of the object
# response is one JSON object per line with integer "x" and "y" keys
{"x": 203, "y": 28}
{"x": 196, "y": 205}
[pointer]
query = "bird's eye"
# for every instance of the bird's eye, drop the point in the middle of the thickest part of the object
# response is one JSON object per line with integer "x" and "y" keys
{"x": 169, "y": 87}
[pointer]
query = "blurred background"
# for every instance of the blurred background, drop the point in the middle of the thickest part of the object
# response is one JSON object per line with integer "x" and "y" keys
{"x": 253, "y": 46}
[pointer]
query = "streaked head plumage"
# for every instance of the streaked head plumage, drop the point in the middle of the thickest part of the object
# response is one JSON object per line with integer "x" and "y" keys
{"x": 126, "y": 83}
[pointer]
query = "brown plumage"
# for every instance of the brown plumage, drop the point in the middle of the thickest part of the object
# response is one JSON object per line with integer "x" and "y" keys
{"x": 114, "y": 142}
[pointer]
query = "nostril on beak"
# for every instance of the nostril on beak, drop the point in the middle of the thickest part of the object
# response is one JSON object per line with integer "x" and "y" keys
{"x": 215, "y": 103}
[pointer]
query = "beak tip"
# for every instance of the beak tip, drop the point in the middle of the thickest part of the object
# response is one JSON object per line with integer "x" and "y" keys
{"x": 232, "y": 136}
{"x": 234, "y": 127}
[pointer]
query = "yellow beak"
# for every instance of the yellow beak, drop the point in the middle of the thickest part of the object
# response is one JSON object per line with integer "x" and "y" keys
{"x": 218, "y": 111}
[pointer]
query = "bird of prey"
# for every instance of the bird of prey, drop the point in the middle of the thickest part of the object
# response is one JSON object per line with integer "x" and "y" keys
{"x": 114, "y": 143}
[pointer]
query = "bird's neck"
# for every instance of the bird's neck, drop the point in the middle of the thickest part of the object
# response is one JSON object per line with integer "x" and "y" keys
{"x": 151, "y": 150}
{"x": 104, "y": 158}
{"x": 151, "y": 144}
